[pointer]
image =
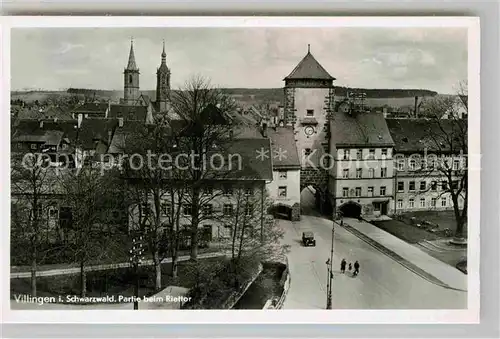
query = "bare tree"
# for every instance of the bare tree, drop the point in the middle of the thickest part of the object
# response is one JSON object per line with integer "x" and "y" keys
{"x": 447, "y": 135}
{"x": 31, "y": 182}
{"x": 89, "y": 194}
{"x": 204, "y": 113}
{"x": 148, "y": 186}
{"x": 248, "y": 235}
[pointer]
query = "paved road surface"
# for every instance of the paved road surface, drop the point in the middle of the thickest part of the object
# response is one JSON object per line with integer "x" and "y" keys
{"x": 382, "y": 283}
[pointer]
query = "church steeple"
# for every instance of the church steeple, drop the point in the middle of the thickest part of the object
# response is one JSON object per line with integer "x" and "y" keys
{"x": 164, "y": 55}
{"x": 131, "y": 79}
{"x": 163, "y": 82}
{"x": 131, "y": 58}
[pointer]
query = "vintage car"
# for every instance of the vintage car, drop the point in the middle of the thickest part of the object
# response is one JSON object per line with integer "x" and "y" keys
{"x": 308, "y": 239}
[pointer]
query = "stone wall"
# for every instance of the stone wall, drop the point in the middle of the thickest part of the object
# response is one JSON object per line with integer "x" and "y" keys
{"x": 290, "y": 117}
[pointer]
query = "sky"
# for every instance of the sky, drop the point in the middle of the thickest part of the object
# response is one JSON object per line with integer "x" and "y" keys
{"x": 416, "y": 58}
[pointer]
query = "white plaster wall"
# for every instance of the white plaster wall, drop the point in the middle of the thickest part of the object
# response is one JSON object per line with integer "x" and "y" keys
{"x": 292, "y": 182}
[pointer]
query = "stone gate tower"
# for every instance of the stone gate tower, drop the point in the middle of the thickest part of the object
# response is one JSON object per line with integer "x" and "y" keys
{"x": 131, "y": 80}
{"x": 309, "y": 105}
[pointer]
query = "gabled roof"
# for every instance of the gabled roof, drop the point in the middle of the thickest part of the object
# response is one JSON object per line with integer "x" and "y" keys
{"x": 127, "y": 112}
{"x": 91, "y": 108}
{"x": 252, "y": 166}
{"x": 94, "y": 130}
{"x": 309, "y": 68}
{"x": 47, "y": 137}
{"x": 32, "y": 127}
{"x": 213, "y": 115}
{"x": 283, "y": 142}
{"x": 417, "y": 135}
{"x": 360, "y": 130}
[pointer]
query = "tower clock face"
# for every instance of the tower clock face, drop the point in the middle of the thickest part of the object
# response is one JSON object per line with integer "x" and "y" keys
{"x": 309, "y": 130}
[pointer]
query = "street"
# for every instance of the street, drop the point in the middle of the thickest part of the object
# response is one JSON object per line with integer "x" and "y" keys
{"x": 382, "y": 283}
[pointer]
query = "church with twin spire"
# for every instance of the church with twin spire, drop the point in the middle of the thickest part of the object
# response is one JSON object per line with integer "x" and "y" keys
{"x": 131, "y": 88}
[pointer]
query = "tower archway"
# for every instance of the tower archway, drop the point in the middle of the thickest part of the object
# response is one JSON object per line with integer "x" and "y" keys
{"x": 350, "y": 209}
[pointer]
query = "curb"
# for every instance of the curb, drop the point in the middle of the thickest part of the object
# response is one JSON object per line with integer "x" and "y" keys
{"x": 75, "y": 270}
{"x": 397, "y": 258}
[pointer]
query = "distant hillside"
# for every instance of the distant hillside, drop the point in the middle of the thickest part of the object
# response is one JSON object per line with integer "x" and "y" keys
{"x": 276, "y": 94}
{"x": 398, "y": 98}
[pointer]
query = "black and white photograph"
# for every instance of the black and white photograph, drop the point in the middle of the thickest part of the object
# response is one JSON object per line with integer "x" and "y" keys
{"x": 239, "y": 166}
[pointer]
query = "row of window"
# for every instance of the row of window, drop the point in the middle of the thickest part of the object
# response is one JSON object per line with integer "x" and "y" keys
{"x": 20, "y": 146}
{"x": 207, "y": 209}
{"x": 423, "y": 185}
{"x": 415, "y": 164}
{"x": 359, "y": 173}
{"x": 423, "y": 202}
{"x": 227, "y": 189}
{"x": 359, "y": 153}
{"x": 358, "y": 192}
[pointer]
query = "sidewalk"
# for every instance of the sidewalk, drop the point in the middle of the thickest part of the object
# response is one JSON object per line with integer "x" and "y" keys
{"x": 410, "y": 256}
{"x": 47, "y": 271}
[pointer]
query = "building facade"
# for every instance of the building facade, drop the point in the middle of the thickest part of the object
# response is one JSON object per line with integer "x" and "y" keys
{"x": 421, "y": 183}
{"x": 285, "y": 186}
{"x": 362, "y": 178}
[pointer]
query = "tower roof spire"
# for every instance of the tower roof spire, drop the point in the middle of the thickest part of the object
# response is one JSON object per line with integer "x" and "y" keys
{"x": 163, "y": 54}
{"x": 131, "y": 57}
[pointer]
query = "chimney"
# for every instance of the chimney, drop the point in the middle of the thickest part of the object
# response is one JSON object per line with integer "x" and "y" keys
{"x": 416, "y": 107}
{"x": 108, "y": 109}
{"x": 80, "y": 118}
{"x": 264, "y": 130}
{"x": 110, "y": 134}
{"x": 120, "y": 122}
{"x": 41, "y": 123}
{"x": 55, "y": 119}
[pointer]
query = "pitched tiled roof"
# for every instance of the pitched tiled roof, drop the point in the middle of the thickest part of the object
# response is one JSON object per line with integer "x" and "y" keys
{"x": 32, "y": 127}
{"x": 283, "y": 142}
{"x": 417, "y": 135}
{"x": 360, "y": 130}
{"x": 253, "y": 166}
{"x": 247, "y": 132}
{"x": 213, "y": 115}
{"x": 121, "y": 134}
{"x": 309, "y": 68}
{"x": 127, "y": 112}
{"x": 31, "y": 132}
{"x": 91, "y": 108}
{"x": 94, "y": 130}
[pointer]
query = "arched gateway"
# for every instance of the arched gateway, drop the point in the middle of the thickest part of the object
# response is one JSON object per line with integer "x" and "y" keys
{"x": 350, "y": 209}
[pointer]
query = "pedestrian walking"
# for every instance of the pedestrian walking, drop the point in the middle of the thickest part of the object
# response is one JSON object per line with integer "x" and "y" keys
{"x": 350, "y": 267}
{"x": 343, "y": 263}
{"x": 356, "y": 268}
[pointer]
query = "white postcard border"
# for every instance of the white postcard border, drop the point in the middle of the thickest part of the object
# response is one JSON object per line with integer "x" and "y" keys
{"x": 469, "y": 315}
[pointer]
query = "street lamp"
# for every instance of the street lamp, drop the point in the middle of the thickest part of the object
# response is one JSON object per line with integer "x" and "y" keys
{"x": 329, "y": 267}
{"x": 136, "y": 259}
